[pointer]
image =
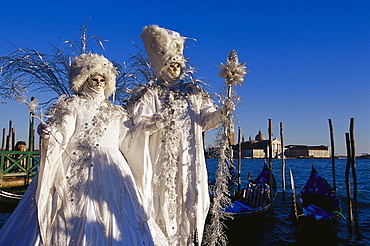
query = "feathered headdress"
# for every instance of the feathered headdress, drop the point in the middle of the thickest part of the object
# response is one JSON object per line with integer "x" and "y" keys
{"x": 86, "y": 65}
{"x": 163, "y": 47}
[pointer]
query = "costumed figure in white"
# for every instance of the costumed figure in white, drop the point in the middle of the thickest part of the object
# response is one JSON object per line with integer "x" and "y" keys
{"x": 174, "y": 115}
{"x": 86, "y": 193}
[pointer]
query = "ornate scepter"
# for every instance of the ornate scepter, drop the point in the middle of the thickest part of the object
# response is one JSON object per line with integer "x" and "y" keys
{"x": 233, "y": 72}
{"x": 32, "y": 107}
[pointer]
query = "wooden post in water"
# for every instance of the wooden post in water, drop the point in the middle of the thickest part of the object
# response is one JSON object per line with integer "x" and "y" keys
{"x": 31, "y": 133}
{"x": 3, "y": 140}
{"x": 9, "y": 137}
{"x": 13, "y": 139}
{"x": 7, "y": 148}
{"x": 332, "y": 154}
{"x": 282, "y": 158}
{"x": 239, "y": 158}
{"x": 348, "y": 182}
{"x": 354, "y": 175}
{"x": 351, "y": 164}
{"x": 270, "y": 159}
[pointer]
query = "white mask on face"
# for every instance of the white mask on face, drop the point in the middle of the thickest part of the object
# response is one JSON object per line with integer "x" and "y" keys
{"x": 174, "y": 69}
{"x": 171, "y": 74}
{"x": 97, "y": 83}
{"x": 94, "y": 87}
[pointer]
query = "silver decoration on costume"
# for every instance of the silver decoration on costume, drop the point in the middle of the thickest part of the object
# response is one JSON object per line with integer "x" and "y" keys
{"x": 233, "y": 72}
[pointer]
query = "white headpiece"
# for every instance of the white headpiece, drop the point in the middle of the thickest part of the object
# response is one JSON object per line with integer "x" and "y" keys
{"x": 163, "y": 47}
{"x": 86, "y": 65}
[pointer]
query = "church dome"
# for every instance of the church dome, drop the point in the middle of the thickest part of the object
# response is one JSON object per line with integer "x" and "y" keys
{"x": 260, "y": 136}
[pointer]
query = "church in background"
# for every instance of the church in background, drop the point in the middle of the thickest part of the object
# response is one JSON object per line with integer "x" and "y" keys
{"x": 258, "y": 148}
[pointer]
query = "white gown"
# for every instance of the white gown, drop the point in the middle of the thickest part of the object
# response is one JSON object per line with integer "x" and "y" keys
{"x": 86, "y": 193}
{"x": 180, "y": 184}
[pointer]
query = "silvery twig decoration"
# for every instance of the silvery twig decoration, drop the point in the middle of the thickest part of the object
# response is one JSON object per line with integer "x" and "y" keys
{"x": 233, "y": 72}
{"x": 32, "y": 105}
{"x": 27, "y": 69}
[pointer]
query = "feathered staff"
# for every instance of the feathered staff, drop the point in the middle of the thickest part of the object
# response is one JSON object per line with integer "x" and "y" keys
{"x": 233, "y": 72}
{"x": 32, "y": 107}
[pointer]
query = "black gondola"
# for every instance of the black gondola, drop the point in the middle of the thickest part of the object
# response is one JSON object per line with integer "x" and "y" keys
{"x": 255, "y": 198}
{"x": 10, "y": 197}
{"x": 251, "y": 209}
{"x": 317, "y": 209}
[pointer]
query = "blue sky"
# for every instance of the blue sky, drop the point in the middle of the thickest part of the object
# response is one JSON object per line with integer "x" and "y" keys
{"x": 308, "y": 60}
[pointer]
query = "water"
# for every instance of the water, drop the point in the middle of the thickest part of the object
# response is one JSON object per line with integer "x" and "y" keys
{"x": 278, "y": 230}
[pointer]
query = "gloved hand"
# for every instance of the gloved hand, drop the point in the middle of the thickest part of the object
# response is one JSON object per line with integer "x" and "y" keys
{"x": 228, "y": 107}
{"x": 158, "y": 120}
{"x": 43, "y": 130}
{"x": 156, "y": 117}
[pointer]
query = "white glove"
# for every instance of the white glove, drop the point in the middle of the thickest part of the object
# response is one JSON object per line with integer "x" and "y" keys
{"x": 158, "y": 120}
{"x": 156, "y": 117}
{"x": 228, "y": 107}
{"x": 43, "y": 130}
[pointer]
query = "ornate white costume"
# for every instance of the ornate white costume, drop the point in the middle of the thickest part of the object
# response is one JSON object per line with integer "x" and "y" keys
{"x": 91, "y": 188}
{"x": 180, "y": 181}
{"x": 86, "y": 192}
{"x": 174, "y": 116}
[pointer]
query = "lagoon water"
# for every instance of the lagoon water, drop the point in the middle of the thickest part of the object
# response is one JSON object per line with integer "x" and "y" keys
{"x": 278, "y": 230}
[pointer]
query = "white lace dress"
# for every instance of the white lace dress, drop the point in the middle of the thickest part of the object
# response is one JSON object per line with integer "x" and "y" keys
{"x": 86, "y": 193}
{"x": 180, "y": 183}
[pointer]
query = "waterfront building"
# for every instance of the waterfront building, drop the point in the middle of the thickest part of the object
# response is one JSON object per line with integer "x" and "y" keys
{"x": 258, "y": 148}
{"x": 304, "y": 151}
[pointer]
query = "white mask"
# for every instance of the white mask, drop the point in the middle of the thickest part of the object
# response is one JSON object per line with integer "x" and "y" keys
{"x": 171, "y": 74}
{"x": 97, "y": 83}
{"x": 174, "y": 69}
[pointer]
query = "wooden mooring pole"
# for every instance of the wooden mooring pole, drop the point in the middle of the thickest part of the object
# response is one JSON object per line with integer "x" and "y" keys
{"x": 3, "y": 140}
{"x": 351, "y": 165}
{"x": 282, "y": 158}
{"x": 270, "y": 161}
{"x": 332, "y": 154}
{"x": 348, "y": 183}
{"x": 354, "y": 175}
{"x": 13, "y": 139}
{"x": 31, "y": 133}
{"x": 9, "y": 137}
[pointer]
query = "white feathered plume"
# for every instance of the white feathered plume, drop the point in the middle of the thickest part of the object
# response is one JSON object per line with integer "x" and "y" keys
{"x": 233, "y": 71}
